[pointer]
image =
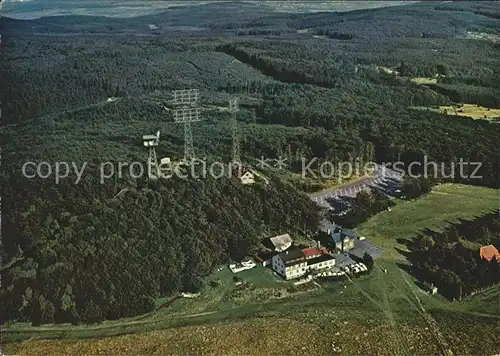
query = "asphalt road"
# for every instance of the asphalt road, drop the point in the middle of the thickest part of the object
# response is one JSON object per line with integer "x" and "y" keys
{"x": 386, "y": 179}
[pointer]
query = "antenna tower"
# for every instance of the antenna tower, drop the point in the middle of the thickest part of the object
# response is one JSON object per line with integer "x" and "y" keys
{"x": 233, "y": 109}
{"x": 187, "y": 111}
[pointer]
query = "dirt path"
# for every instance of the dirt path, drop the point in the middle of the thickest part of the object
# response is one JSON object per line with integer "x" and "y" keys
{"x": 431, "y": 322}
{"x": 101, "y": 327}
{"x": 398, "y": 338}
{"x": 399, "y": 343}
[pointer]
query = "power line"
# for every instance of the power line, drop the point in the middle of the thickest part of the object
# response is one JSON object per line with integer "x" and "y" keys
{"x": 233, "y": 109}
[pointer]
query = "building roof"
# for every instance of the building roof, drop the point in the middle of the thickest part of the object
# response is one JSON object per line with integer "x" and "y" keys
{"x": 281, "y": 240}
{"x": 339, "y": 236}
{"x": 320, "y": 259}
{"x": 292, "y": 256}
{"x": 336, "y": 236}
{"x": 247, "y": 174}
{"x": 350, "y": 233}
{"x": 312, "y": 252}
{"x": 265, "y": 255}
{"x": 488, "y": 252}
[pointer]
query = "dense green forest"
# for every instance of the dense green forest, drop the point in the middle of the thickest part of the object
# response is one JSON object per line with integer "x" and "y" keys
{"x": 445, "y": 259}
{"x": 300, "y": 96}
{"x": 88, "y": 253}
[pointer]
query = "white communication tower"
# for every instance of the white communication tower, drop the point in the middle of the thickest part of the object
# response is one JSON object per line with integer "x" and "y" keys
{"x": 152, "y": 141}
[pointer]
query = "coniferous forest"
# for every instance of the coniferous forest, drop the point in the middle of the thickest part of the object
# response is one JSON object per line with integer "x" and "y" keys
{"x": 445, "y": 260}
{"x": 310, "y": 85}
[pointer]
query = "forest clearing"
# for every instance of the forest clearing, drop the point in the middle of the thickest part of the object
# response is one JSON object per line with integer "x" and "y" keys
{"x": 467, "y": 110}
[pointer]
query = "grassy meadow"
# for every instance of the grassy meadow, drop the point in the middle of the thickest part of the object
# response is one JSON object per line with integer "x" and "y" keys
{"x": 468, "y": 110}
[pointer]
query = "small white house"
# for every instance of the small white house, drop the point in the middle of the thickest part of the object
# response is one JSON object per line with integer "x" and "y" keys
{"x": 190, "y": 295}
{"x": 431, "y": 289}
{"x": 247, "y": 178}
{"x": 281, "y": 242}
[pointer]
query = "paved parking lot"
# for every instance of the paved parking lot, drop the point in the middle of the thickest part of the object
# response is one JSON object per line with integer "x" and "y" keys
{"x": 360, "y": 247}
{"x": 385, "y": 179}
{"x": 342, "y": 259}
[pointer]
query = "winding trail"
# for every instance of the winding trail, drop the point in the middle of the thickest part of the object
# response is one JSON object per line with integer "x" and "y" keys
{"x": 399, "y": 343}
{"x": 101, "y": 327}
{"x": 433, "y": 324}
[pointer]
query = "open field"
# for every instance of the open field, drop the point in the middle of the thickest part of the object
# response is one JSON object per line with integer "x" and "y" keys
{"x": 382, "y": 313}
{"x": 482, "y": 36}
{"x": 446, "y": 204}
{"x": 387, "y": 70}
{"x": 469, "y": 110}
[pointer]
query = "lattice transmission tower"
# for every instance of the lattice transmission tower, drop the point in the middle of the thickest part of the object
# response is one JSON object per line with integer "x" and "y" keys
{"x": 187, "y": 111}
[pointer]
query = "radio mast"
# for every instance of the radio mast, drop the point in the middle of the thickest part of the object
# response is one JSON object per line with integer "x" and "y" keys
{"x": 152, "y": 141}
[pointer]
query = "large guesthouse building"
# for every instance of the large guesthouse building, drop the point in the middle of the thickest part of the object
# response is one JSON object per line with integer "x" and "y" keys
{"x": 294, "y": 262}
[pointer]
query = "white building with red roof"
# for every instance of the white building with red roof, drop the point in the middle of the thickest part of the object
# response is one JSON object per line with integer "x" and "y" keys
{"x": 294, "y": 262}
